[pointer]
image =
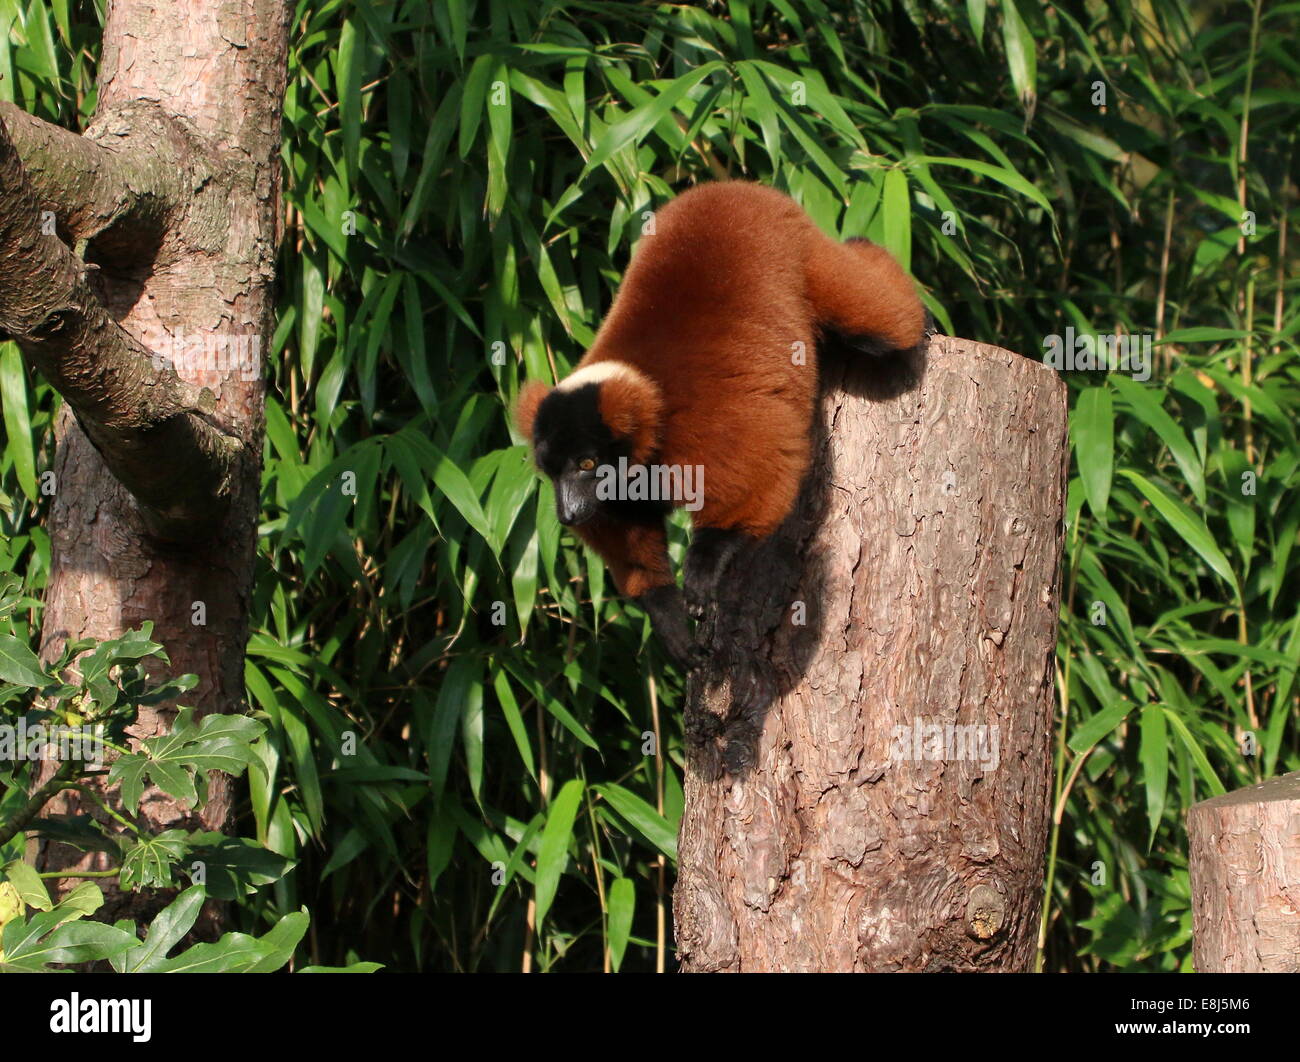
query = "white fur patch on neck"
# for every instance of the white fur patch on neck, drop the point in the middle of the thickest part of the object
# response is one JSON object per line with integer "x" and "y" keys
{"x": 598, "y": 372}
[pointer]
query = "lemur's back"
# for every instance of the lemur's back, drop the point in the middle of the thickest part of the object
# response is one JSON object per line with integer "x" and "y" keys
{"x": 723, "y": 260}
{"x": 713, "y": 308}
{"x": 721, "y": 307}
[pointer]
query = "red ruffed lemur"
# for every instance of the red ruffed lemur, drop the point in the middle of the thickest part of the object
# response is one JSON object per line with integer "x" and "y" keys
{"x": 706, "y": 364}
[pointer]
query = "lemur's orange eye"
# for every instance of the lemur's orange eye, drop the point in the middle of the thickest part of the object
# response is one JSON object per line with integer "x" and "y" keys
{"x": 586, "y": 464}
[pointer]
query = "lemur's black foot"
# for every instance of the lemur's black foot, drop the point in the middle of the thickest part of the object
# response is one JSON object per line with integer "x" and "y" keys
{"x": 753, "y": 691}
{"x": 866, "y": 345}
{"x": 931, "y": 325}
{"x": 696, "y": 657}
{"x": 668, "y": 618}
{"x": 711, "y": 552}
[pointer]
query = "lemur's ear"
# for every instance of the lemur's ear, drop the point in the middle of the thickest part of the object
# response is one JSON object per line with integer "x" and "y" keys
{"x": 530, "y": 397}
{"x": 632, "y": 409}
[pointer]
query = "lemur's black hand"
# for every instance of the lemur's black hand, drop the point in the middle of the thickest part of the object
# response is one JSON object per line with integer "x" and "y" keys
{"x": 711, "y": 552}
{"x": 668, "y": 617}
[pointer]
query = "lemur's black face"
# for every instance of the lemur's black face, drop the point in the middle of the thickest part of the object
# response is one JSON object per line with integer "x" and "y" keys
{"x": 571, "y": 443}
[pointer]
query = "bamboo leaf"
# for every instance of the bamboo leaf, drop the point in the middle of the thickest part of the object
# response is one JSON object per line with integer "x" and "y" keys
{"x": 553, "y": 853}
{"x": 634, "y": 126}
{"x": 17, "y": 420}
{"x": 1093, "y": 429}
{"x": 1189, "y": 527}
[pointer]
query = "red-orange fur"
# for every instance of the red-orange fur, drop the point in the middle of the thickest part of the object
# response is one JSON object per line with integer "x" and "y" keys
{"x": 530, "y": 397}
{"x": 711, "y": 311}
{"x": 634, "y": 413}
{"x": 635, "y": 554}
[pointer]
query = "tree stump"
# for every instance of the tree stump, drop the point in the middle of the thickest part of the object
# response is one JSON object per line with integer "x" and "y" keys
{"x": 868, "y": 748}
{"x": 1245, "y": 866}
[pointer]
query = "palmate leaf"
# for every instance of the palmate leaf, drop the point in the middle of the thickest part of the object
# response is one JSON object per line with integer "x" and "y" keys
{"x": 55, "y": 938}
{"x": 233, "y": 953}
{"x": 28, "y": 884}
{"x": 31, "y": 946}
{"x": 82, "y": 901}
{"x": 147, "y": 862}
{"x": 132, "y": 645}
{"x": 217, "y": 743}
{"x": 11, "y": 904}
{"x": 240, "y": 953}
{"x": 166, "y": 931}
{"x": 19, "y": 666}
{"x": 59, "y": 936}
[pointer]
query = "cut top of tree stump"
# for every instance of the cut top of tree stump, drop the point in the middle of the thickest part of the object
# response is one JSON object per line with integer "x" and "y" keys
{"x": 1245, "y": 868}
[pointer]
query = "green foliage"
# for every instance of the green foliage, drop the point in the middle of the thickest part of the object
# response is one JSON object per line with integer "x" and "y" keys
{"x": 87, "y": 720}
{"x": 56, "y": 935}
{"x": 178, "y": 762}
{"x": 466, "y": 758}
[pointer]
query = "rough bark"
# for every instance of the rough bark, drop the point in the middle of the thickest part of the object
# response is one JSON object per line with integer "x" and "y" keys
{"x": 190, "y": 101}
{"x": 156, "y": 433}
{"x": 1245, "y": 868}
{"x": 91, "y": 186}
{"x": 916, "y": 583}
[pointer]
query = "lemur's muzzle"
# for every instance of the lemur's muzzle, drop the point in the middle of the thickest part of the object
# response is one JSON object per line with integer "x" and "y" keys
{"x": 573, "y": 503}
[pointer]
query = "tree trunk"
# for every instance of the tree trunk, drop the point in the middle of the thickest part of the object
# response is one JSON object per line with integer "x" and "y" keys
{"x": 868, "y": 749}
{"x": 176, "y": 187}
{"x": 1245, "y": 867}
